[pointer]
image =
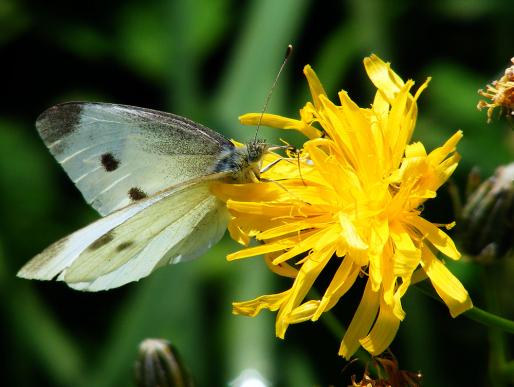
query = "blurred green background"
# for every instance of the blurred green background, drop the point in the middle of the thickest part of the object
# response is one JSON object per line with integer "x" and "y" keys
{"x": 213, "y": 60}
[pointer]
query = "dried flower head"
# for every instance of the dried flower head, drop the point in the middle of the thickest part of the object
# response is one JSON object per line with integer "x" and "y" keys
{"x": 389, "y": 375}
{"x": 500, "y": 94}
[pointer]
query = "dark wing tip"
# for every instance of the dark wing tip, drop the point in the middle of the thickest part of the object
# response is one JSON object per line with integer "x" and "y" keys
{"x": 59, "y": 121}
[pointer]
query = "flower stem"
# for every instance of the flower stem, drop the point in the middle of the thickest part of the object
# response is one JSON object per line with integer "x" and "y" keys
{"x": 501, "y": 370}
{"x": 490, "y": 319}
{"x": 476, "y": 314}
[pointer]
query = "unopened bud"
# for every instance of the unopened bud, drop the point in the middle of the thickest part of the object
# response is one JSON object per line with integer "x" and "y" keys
{"x": 159, "y": 365}
{"x": 487, "y": 220}
{"x": 473, "y": 181}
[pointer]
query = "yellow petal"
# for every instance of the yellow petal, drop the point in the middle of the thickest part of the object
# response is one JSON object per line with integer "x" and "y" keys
{"x": 437, "y": 237}
{"x": 237, "y": 234}
{"x": 283, "y": 269}
{"x": 400, "y": 292}
{"x": 378, "y": 238}
{"x": 253, "y": 307}
{"x": 380, "y": 108}
{"x": 314, "y": 85}
{"x": 276, "y": 121}
{"x": 416, "y": 149}
{"x": 361, "y": 322}
{"x": 399, "y": 124}
{"x": 389, "y": 280}
{"x": 301, "y": 286}
{"x": 439, "y": 154}
{"x": 306, "y": 244}
{"x": 343, "y": 280}
{"x": 258, "y": 250}
{"x": 297, "y": 225}
{"x": 241, "y": 192}
{"x": 273, "y": 210}
{"x": 358, "y": 125}
{"x": 350, "y": 234}
{"x": 406, "y": 256}
{"x": 242, "y": 226}
{"x": 333, "y": 170}
{"x": 303, "y": 312}
{"x": 422, "y": 88}
{"x": 446, "y": 284}
{"x": 384, "y": 79}
{"x": 342, "y": 136}
{"x": 383, "y": 332}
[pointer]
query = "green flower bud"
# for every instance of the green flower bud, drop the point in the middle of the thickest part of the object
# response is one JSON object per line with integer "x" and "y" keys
{"x": 159, "y": 365}
{"x": 487, "y": 220}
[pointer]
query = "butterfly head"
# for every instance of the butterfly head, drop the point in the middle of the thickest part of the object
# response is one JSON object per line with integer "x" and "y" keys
{"x": 251, "y": 161}
{"x": 244, "y": 162}
{"x": 256, "y": 150}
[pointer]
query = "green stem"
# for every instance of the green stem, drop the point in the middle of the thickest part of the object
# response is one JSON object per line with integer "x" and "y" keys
{"x": 497, "y": 350}
{"x": 490, "y": 319}
{"x": 476, "y": 314}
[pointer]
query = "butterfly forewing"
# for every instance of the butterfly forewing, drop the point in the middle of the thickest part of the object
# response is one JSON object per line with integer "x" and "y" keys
{"x": 118, "y": 154}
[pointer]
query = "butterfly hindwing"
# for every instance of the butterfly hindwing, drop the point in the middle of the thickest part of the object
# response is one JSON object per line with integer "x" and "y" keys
{"x": 118, "y": 154}
{"x": 176, "y": 225}
{"x": 202, "y": 236}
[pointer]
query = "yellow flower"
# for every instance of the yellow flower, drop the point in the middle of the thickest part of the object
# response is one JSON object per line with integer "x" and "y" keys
{"x": 500, "y": 93}
{"x": 354, "y": 195}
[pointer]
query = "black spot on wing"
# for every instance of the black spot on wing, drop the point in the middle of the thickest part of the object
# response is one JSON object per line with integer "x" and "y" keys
{"x": 136, "y": 193}
{"x": 109, "y": 162}
{"x": 103, "y": 240}
{"x": 124, "y": 245}
{"x": 58, "y": 121}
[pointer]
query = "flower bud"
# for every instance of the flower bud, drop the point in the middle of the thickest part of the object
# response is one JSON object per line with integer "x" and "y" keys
{"x": 487, "y": 220}
{"x": 159, "y": 364}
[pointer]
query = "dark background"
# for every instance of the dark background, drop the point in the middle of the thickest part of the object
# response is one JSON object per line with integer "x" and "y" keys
{"x": 212, "y": 61}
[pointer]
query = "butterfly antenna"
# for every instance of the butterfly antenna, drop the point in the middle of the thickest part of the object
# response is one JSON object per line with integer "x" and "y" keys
{"x": 289, "y": 50}
{"x": 299, "y": 166}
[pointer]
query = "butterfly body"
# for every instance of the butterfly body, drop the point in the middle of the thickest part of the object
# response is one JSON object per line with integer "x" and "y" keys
{"x": 149, "y": 174}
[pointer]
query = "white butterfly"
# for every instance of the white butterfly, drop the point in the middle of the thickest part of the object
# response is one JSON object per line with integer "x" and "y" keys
{"x": 148, "y": 173}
